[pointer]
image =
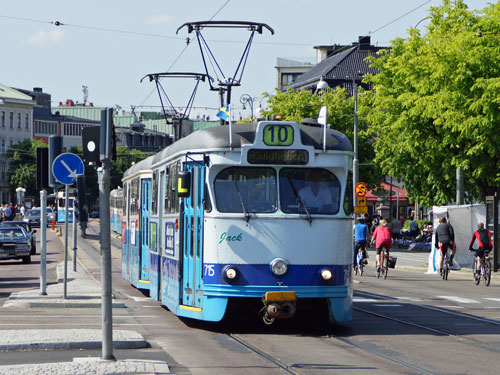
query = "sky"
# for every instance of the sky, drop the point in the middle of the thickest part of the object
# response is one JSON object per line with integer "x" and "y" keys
{"x": 110, "y": 45}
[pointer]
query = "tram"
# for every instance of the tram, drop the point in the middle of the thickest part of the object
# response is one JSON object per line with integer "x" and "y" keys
{"x": 227, "y": 216}
{"x": 61, "y": 205}
{"x": 116, "y": 209}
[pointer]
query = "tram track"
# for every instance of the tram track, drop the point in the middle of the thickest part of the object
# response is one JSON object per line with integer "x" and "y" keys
{"x": 283, "y": 366}
{"x": 458, "y": 337}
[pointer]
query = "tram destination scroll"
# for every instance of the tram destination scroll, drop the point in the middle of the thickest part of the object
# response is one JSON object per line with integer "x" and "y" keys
{"x": 278, "y": 156}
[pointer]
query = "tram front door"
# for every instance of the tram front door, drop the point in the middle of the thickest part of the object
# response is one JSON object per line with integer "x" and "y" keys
{"x": 192, "y": 283}
{"x": 144, "y": 233}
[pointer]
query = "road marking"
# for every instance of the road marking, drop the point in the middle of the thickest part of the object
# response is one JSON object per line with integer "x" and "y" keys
{"x": 492, "y": 299}
{"x": 363, "y": 299}
{"x": 413, "y": 299}
{"x": 139, "y": 299}
{"x": 387, "y": 305}
{"x": 452, "y": 307}
{"x": 458, "y": 299}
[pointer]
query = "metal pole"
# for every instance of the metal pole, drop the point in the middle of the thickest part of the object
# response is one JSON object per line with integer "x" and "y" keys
{"x": 460, "y": 186}
{"x": 43, "y": 243}
{"x": 74, "y": 235}
{"x": 107, "y": 313}
{"x": 390, "y": 203}
{"x": 66, "y": 209}
{"x": 355, "y": 175}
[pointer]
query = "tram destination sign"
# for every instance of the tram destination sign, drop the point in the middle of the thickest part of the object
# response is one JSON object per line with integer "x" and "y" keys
{"x": 273, "y": 156}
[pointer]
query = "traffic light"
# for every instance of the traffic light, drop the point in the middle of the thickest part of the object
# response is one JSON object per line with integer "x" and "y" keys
{"x": 55, "y": 149}
{"x": 81, "y": 199}
{"x": 42, "y": 168}
{"x": 91, "y": 136}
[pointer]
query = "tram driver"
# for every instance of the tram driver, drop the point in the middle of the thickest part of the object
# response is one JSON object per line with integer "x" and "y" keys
{"x": 315, "y": 195}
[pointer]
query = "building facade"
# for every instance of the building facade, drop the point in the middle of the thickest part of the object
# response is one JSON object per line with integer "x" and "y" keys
{"x": 16, "y": 126}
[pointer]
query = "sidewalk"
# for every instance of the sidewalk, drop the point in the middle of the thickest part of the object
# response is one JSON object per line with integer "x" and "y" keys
{"x": 82, "y": 291}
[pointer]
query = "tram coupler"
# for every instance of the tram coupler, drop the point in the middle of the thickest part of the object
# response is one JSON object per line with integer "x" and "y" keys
{"x": 278, "y": 305}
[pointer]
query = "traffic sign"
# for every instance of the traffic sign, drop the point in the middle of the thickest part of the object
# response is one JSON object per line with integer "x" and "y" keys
{"x": 360, "y": 189}
{"x": 66, "y": 167}
{"x": 361, "y": 209}
{"x": 361, "y": 201}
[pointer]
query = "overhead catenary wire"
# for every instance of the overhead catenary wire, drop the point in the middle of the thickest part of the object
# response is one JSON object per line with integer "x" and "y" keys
{"x": 398, "y": 18}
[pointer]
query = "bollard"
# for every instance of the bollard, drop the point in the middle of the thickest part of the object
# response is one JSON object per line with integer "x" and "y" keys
{"x": 53, "y": 225}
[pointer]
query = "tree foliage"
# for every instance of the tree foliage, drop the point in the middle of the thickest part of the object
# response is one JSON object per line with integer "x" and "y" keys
{"x": 296, "y": 106}
{"x": 124, "y": 159}
{"x": 22, "y": 167}
{"x": 436, "y": 104}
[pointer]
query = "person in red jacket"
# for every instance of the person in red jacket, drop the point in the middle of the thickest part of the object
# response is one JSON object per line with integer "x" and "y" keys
{"x": 483, "y": 237}
{"x": 382, "y": 237}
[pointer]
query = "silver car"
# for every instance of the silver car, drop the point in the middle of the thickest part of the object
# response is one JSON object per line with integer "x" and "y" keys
{"x": 14, "y": 244}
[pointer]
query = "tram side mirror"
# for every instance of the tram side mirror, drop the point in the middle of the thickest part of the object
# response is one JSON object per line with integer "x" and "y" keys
{"x": 184, "y": 184}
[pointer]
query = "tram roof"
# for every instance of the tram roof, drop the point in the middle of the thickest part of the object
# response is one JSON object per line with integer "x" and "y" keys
{"x": 242, "y": 134}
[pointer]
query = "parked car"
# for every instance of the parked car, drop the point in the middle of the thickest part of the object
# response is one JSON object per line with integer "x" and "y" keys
{"x": 94, "y": 214}
{"x": 32, "y": 217}
{"x": 28, "y": 229}
{"x": 14, "y": 244}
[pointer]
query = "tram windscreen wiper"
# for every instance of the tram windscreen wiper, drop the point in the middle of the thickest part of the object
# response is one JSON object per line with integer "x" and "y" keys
{"x": 297, "y": 196}
{"x": 247, "y": 214}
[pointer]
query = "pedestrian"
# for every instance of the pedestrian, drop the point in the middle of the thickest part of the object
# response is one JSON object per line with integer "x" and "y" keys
{"x": 23, "y": 210}
{"x": 7, "y": 212}
{"x": 395, "y": 229}
{"x": 413, "y": 228}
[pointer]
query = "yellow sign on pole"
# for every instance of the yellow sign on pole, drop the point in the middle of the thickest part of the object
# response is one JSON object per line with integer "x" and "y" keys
{"x": 361, "y": 201}
{"x": 361, "y": 209}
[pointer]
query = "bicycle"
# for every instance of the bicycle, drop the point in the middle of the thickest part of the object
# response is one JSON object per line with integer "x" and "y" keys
{"x": 446, "y": 266}
{"x": 360, "y": 263}
{"x": 485, "y": 271}
{"x": 383, "y": 268}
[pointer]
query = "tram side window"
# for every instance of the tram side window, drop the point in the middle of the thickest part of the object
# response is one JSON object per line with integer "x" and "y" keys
{"x": 243, "y": 189}
{"x": 348, "y": 203}
{"x": 207, "y": 204}
{"x": 125, "y": 200}
{"x": 154, "y": 199}
{"x": 171, "y": 200}
{"x": 315, "y": 188}
{"x": 134, "y": 197}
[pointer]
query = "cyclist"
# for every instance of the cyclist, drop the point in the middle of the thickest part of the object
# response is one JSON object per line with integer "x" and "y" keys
{"x": 445, "y": 239}
{"x": 382, "y": 237}
{"x": 483, "y": 237}
{"x": 360, "y": 240}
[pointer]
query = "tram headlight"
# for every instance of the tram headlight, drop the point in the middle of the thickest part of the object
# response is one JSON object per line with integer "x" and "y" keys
{"x": 230, "y": 273}
{"x": 326, "y": 274}
{"x": 279, "y": 266}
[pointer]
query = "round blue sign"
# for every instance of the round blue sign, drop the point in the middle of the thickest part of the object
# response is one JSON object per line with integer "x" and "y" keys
{"x": 66, "y": 167}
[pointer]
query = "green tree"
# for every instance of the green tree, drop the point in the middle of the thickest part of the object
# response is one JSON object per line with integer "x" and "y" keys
{"x": 22, "y": 166}
{"x": 436, "y": 107}
{"x": 296, "y": 106}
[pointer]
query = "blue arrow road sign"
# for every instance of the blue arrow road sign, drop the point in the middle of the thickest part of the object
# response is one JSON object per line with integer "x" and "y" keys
{"x": 66, "y": 167}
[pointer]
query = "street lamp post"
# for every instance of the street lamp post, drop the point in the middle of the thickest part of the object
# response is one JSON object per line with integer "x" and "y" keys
{"x": 247, "y": 99}
{"x": 355, "y": 171}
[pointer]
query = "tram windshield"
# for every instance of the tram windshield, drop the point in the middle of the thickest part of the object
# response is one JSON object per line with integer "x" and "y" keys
{"x": 309, "y": 191}
{"x": 246, "y": 190}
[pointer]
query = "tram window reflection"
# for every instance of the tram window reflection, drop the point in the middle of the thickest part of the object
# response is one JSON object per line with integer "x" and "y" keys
{"x": 243, "y": 189}
{"x": 315, "y": 188}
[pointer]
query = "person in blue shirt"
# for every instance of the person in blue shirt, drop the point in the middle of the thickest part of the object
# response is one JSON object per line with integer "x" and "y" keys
{"x": 360, "y": 239}
{"x": 413, "y": 228}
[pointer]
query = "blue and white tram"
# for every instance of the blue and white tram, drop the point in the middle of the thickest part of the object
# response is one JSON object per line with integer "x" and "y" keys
{"x": 265, "y": 219}
{"x": 116, "y": 209}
